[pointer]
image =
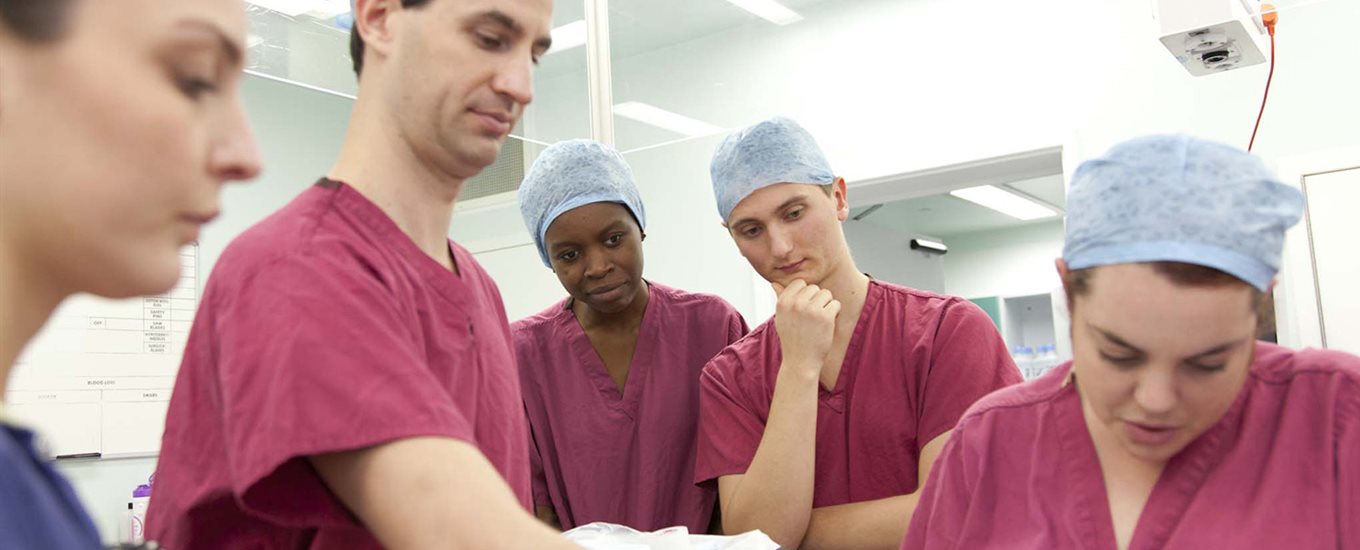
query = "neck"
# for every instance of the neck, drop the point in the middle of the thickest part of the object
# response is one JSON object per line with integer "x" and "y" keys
{"x": 626, "y": 319}
{"x": 27, "y": 299}
{"x": 1109, "y": 451}
{"x": 849, "y": 286}
{"x": 381, "y": 166}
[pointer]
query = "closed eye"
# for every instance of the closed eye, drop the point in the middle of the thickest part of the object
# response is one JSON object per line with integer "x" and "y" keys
{"x": 1207, "y": 367}
{"x": 1121, "y": 360}
{"x": 491, "y": 42}
{"x": 195, "y": 87}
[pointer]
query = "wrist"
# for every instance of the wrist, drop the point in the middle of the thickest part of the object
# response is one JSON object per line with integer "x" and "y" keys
{"x": 800, "y": 369}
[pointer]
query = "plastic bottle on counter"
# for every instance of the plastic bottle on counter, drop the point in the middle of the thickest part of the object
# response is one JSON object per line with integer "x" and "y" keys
{"x": 141, "y": 497}
{"x": 1048, "y": 357}
{"x": 1024, "y": 360}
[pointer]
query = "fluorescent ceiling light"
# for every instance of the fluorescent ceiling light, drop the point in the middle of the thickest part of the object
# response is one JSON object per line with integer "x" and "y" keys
{"x": 566, "y": 37}
{"x": 769, "y": 10}
{"x": 1005, "y": 202}
{"x": 661, "y": 118}
{"x": 291, "y": 8}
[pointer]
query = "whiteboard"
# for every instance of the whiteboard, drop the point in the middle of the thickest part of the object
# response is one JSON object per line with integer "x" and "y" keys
{"x": 96, "y": 380}
{"x": 1332, "y": 200}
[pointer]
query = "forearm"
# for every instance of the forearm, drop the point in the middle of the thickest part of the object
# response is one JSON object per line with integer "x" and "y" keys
{"x": 432, "y": 493}
{"x": 878, "y": 523}
{"x": 775, "y": 493}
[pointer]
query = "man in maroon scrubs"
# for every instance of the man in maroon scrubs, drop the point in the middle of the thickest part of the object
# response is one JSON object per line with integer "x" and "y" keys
{"x": 350, "y": 381}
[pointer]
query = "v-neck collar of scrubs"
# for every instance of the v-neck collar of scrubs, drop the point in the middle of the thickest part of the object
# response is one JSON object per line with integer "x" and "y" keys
{"x": 452, "y": 286}
{"x": 593, "y": 367}
{"x": 835, "y": 397}
{"x": 1173, "y": 492}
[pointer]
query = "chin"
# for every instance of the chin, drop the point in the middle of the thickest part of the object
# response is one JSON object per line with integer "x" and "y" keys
{"x": 466, "y": 155}
{"x": 1157, "y": 455}
{"x": 153, "y": 275}
{"x": 484, "y": 149}
{"x": 610, "y": 307}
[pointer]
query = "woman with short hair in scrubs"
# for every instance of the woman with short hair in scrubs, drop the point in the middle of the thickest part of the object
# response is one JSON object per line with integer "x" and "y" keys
{"x": 119, "y": 124}
{"x": 1172, "y": 427}
{"x": 610, "y": 374}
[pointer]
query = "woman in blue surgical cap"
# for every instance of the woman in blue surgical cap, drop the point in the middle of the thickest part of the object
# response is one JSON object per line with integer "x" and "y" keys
{"x": 1172, "y": 427}
{"x": 610, "y": 375}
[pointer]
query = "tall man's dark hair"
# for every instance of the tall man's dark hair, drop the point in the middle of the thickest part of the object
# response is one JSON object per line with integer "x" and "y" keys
{"x": 356, "y": 42}
{"x": 35, "y": 20}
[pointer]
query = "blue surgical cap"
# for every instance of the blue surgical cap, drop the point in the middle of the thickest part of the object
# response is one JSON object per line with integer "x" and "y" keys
{"x": 1180, "y": 199}
{"x": 575, "y": 173}
{"x": 775, "y": 151}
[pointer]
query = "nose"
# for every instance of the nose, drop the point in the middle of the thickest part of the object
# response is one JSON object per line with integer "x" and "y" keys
{"x": 598, "y": 265}
{"x": 234, "y": 155}
{"x": 1157, "y": 393}
{"x": 781, "y": 246}
{"x": 515, "y": 79}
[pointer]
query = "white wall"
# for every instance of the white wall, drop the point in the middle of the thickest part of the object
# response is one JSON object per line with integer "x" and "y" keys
{"x": 687, "y": 246}
{"x": 527, "y": 287}
{"x": 887, "y": 255}
{"x": 1140, "y": 90}
{"x": 886, "y": 86}
{"x": 105, "y": 487}
{"x": 1009, "y": 262}
{"x": 1332, "y": 199}
{"x": 299, "y": 133}
{"x": 873, "y": 80}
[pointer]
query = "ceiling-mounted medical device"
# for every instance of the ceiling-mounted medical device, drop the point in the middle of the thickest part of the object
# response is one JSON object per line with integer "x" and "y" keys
{"x": 1213, "y": 36}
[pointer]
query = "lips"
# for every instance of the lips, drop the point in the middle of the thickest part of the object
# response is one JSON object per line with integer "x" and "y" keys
{"x": 1150, "y": 435}
{"x": 790, "y": 268}
{"x": 200, "y": 218}
{"x": 496, "y": 122}
{"x": 597, "y": 291}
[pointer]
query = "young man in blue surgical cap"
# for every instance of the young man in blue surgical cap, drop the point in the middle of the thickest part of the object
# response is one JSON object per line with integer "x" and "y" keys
{"x": 1172, "y": 427}
{"x": 820, "y": 425}
{"x": 611, "y": 374}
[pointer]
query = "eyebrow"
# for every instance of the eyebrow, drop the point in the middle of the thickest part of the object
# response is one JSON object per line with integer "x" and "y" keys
{"x": 613, "y": 227}
{"x": 228, "y": 47}
{"x": 499, "y": 17}
{"x": 1220, "y": 348}
{"x": 781, "y": 208}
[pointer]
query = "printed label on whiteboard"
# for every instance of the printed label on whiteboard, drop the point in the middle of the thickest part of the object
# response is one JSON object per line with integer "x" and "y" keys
{"x": 95, "y": 352}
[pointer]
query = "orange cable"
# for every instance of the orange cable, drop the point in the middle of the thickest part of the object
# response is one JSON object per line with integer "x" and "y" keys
{"x": 1269, "y": 17}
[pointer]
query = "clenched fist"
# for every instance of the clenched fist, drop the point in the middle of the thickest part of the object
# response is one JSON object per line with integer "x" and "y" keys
{"x": 805, "y": 319}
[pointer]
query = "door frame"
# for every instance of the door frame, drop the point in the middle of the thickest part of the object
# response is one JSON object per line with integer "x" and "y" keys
{"x": 1298, "y": 314}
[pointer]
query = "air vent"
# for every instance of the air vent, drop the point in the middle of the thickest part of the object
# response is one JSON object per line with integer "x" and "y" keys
{"x": 503, "y": 176}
